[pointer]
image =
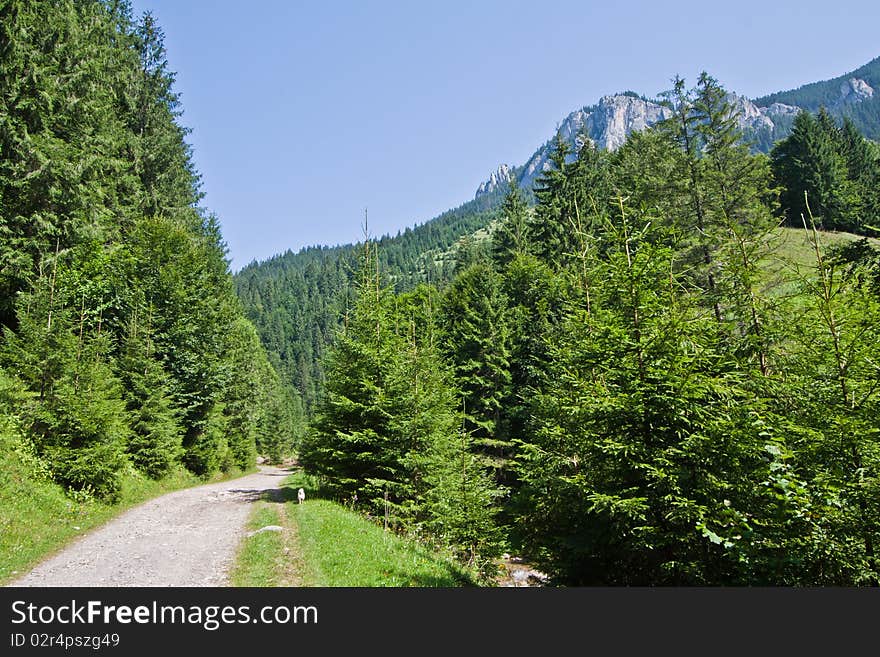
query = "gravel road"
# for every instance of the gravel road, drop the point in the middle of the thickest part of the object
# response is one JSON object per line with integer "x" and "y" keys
{"x": 185, "y": 538}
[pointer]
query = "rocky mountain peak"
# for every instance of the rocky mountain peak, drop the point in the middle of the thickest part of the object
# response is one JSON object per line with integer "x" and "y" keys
{"x": 616, "y": 117}
{"x": 498, "y": 177}
{"x": 607, "y": 124}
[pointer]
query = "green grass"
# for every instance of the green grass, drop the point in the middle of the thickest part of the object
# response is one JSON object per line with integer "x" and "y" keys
{"x": 792, "y": 260}
{"x": 260, "y": 560}
{"x": 341, "y": 548}
{"x": 325, "y": 544}
{"x": 795, "y": 248}
{"x": 37, "y": 517}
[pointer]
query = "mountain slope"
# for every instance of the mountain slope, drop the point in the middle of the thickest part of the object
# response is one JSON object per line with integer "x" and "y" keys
{"x": 855, "y": 94}
{"x": 763, "y": 121}
{"x": 609, "y": 123}
{"x": 296, "y": 299}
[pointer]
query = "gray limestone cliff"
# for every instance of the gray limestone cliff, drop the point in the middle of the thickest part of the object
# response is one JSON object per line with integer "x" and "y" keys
{"x": 500, "y": 176}
{"x": 613, "y": 119}
{"x": 854, "y": 91}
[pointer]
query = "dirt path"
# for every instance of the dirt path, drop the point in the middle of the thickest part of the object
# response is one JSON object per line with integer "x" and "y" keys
{"x": 185, "y": 538}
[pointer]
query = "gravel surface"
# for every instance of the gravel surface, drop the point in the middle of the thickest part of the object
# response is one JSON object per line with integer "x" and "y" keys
{"x": 185, "y": 538}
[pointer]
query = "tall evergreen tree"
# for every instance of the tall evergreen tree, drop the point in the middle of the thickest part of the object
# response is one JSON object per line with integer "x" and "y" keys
{"x": 510, "y": 237}
{"x": 76, "y": 418}
{"x": 349, "y": 443}
{"x": 155, "y": 443}
{"x": 552, "y": 219}
{"x": 738, "y": 202}
{"x": 683, "y": 129}
{"x": 475, "y": 340}
{"x": 636, "y": 456}
{"x": 833, "y": 360}
{"x": 807, "y": 163}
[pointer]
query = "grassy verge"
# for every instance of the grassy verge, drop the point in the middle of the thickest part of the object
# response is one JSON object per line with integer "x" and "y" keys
{"x": 329, "y": 545}
{"x": 265, "y": 558}
{"x": 37, "y": 517}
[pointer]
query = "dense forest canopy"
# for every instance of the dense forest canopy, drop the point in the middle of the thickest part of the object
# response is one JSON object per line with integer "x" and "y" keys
{"x": 123, "y": 343}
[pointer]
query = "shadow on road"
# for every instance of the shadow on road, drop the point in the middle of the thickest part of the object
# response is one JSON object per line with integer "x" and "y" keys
{"x": 280, "y": 495}
{"x": 272, "y": 494}
{"x": 280, "y": 472}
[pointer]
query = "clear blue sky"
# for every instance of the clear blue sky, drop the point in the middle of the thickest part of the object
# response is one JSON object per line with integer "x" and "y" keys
{"x": 305, "y": 113}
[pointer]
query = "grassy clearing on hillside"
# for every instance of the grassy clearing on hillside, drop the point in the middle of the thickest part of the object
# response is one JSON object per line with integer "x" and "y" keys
{"x": 795, "y": 248}
{"x": 793, "y": 259}
{"x": 37, "y": 517}
{"x": 329, "y": 545}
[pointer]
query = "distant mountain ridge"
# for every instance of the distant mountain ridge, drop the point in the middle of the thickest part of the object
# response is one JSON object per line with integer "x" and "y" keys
{"x": 764, "y": 121}
{"x": 858, "y": 88}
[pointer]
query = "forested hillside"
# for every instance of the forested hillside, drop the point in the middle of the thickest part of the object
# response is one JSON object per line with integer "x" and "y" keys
{"x": 831, "y": 170}
{"x": 645, "y": 380}
{"x": 123, "y": 344}
{"x": 298, "y": 300}
{"x": 835, "y": 96}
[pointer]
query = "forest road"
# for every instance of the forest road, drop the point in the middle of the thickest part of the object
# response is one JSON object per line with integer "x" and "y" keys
{"x": 185, "y": 538}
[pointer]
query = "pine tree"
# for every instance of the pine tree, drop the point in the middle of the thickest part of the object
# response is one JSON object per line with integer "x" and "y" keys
{"x": 537, "y": 297}
{"x": 59, "y": 169}
{"x": 162, "y": 161}
{"x": 387, "y": 424}
{"x": 738, "y": 202}
{"x": 349, "y": 443}
{"x": 640, "y": 453}
{"x": 683, "y": 129}
{"x": 423, "y": 420}
{"x": 833, "y": 356}
{"x": 76, "y": 418}
{"x": 462, "y": 501}
{"x": 155, "y": 442}
{"x": 863, "y": 172}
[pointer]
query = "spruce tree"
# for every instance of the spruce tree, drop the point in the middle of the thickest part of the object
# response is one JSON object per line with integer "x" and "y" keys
{"x": 349, "y": 443}
{"x": 550, "y": 225}
{"x": 832, "y": 357}
{"x": 639, "y": 454}
{"x": 476, "y": 343}
{"x": 76, "y": 418}
{"x": 155, "y": 442}
{"x": 462, "y": 501}
{"x": 510, "y": 237}
{"x": 683, "y": 129}
{"x": 807, "y": 162}
{"x": 739, "y": 198}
